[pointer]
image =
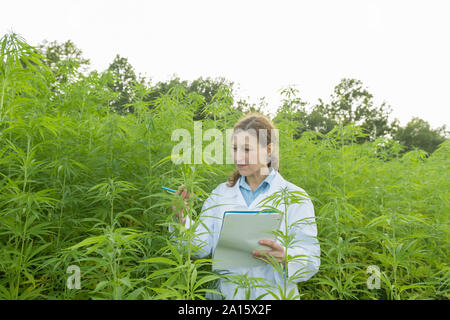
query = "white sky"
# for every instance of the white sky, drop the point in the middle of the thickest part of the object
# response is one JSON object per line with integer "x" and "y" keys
{"x": 399, "y": 49}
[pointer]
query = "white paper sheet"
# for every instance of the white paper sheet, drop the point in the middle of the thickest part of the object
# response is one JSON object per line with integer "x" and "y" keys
{"x": 239, "y": 236}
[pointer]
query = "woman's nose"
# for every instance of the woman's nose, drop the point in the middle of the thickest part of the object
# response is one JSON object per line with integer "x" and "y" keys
{"x": 239, "y": 159}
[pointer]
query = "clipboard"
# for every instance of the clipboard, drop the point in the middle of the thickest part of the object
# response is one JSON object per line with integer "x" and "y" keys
{"x": 239, "y": 235}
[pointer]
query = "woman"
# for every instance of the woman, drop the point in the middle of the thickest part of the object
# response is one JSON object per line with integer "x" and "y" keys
{"x": 254, "y": 180}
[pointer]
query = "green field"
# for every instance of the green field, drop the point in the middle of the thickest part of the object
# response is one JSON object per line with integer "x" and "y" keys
{"x": 80, "y": 186}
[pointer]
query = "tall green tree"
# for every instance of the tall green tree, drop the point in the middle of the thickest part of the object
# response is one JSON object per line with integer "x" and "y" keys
{"x": 351, "y": 102}
{"x": 418, "y": 134}
{"x": 65, "y": 60}
{"x": 122, "y": 82}
{"x": 318, "y": 120}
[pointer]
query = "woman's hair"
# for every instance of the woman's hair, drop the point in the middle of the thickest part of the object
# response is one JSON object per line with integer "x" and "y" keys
{"x": 256, "y": 121}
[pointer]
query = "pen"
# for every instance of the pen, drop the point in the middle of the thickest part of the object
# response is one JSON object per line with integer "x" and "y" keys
{"x": 171, "y": 190}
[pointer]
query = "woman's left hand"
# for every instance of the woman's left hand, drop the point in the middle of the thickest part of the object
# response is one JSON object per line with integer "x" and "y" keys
{"x": 277, "y": 251}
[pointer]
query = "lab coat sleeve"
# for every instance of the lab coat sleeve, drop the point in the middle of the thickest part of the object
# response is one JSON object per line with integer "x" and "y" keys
{"x": 204, "y": 229}
{"x": 305, "y": 244}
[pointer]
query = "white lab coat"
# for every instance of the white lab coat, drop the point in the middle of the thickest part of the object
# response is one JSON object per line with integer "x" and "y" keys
{"x": 305, "y": 233}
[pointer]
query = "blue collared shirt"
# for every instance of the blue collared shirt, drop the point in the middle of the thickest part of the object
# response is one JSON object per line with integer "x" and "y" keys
{"x": 250, "y": 195}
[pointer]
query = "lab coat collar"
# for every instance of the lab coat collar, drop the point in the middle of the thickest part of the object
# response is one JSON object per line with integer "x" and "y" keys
{"x": 276, "y": 184}
{"x": 268, "y": 180}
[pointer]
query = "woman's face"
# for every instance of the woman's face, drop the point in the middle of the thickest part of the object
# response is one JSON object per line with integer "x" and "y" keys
{"x": 249, "y": 155}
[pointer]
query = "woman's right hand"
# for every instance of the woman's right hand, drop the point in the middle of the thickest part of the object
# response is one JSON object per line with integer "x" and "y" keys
{"x": 185, "y": 195}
